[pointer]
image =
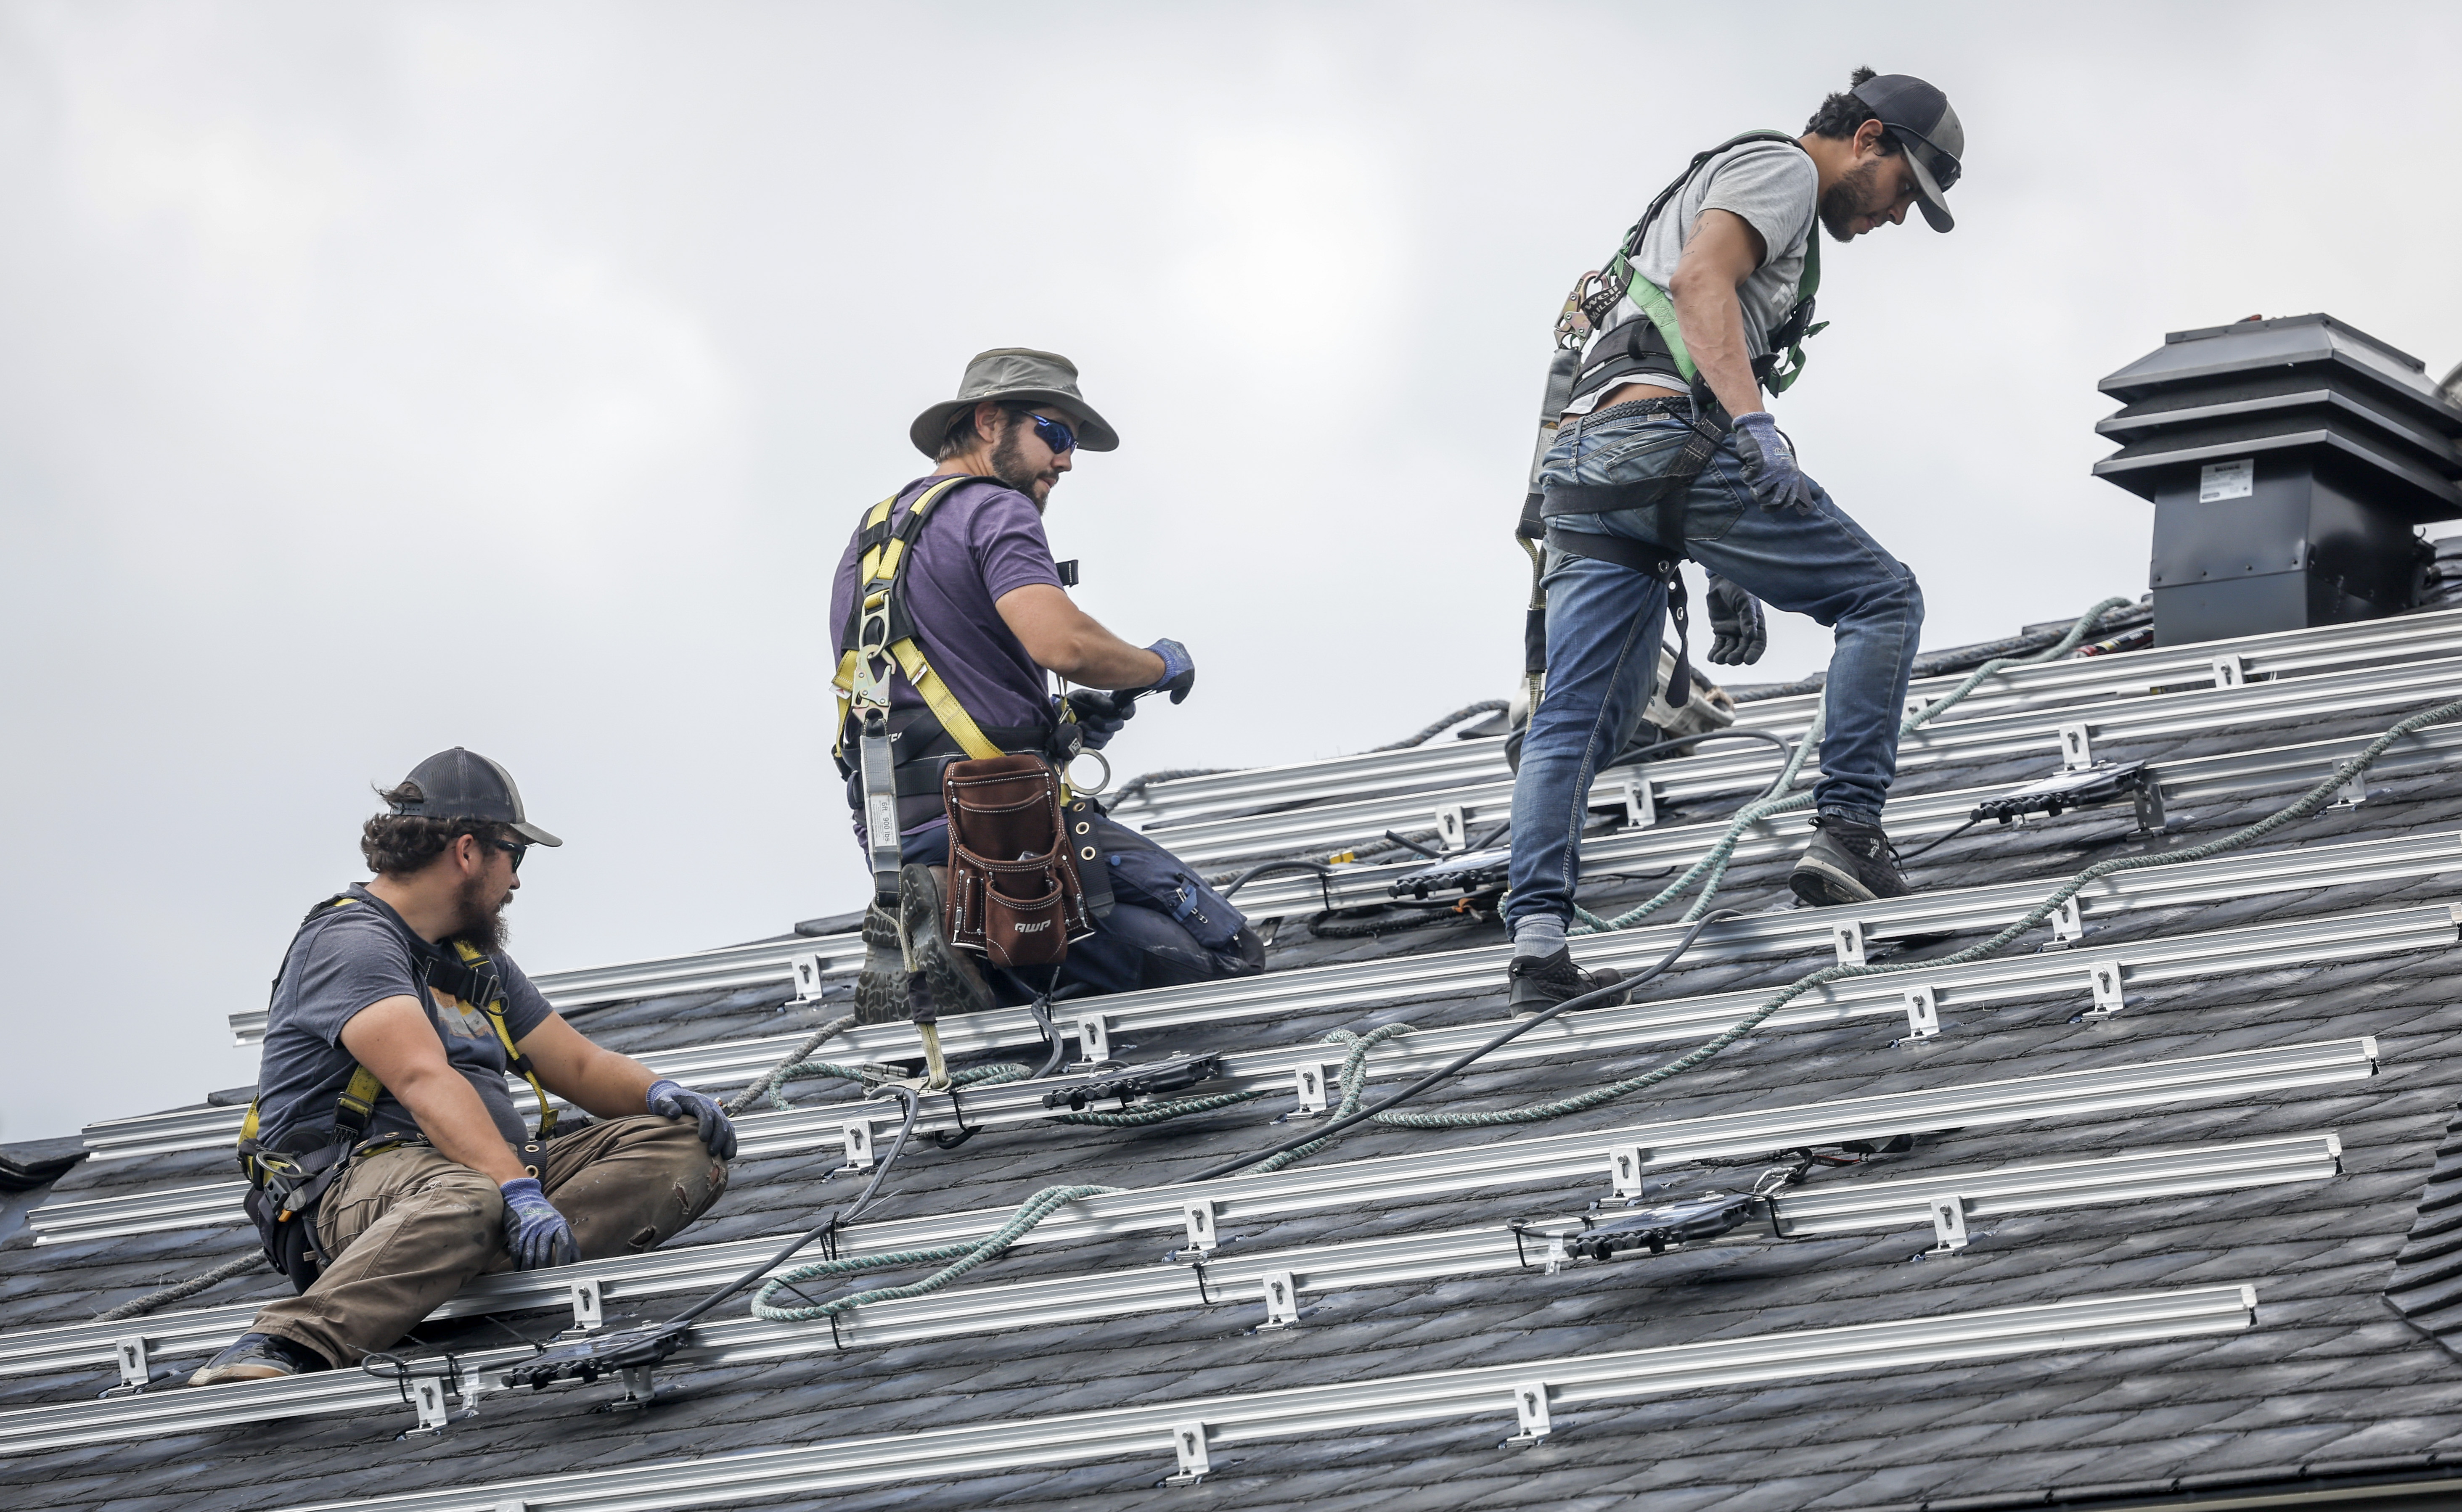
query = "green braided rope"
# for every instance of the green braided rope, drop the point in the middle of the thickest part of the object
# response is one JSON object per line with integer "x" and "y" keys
{"x": 1714, "y": 865}
{"x": 768, "y": 1086}
{"x": 2308, "y": 803}
{"x": 967, "y": 1257}
{"x": 1139, "y": 1116}
{"x": 1354, "y": 1082}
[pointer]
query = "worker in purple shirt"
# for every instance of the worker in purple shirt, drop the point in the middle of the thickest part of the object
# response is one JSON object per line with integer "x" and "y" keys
{"x": 994, "y": 620}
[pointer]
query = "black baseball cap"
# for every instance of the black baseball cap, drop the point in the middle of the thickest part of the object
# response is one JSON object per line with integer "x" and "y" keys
{"x": 1927, "y": 131}
{"x": 463, "y": 784}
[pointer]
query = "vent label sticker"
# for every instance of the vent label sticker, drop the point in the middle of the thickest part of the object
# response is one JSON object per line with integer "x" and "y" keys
{"x": 2227, "y": 480}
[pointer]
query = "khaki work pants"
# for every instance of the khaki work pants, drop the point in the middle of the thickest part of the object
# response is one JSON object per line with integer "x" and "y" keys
{"x": 407, "y": 1228}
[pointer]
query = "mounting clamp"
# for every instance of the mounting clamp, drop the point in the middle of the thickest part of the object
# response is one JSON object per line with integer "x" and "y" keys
{"x": 1530, "y": 1413}
{"x": 1188, "y": 1441}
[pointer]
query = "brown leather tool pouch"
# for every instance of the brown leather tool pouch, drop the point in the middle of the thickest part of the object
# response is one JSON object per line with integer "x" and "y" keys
{"x": 1013, "y": 893}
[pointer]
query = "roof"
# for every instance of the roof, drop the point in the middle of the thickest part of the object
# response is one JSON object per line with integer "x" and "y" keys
{"x": 2280, "y": 1062}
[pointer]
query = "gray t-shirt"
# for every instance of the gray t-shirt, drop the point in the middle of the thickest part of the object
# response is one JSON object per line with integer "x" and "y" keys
{"x": 353, "y": 957}
{"x": 1775, "y": 187}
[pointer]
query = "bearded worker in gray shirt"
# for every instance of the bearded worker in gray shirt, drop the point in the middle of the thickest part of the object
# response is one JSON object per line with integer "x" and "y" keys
{"x": 1665, "y": 451}
{"x": 387, "y": 1164}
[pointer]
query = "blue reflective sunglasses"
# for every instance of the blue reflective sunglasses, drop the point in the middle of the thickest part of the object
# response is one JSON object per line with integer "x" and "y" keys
{"x": 1052, "y": 433}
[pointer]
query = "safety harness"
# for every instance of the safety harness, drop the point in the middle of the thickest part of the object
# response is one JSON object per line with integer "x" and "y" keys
{"x": 288, "y": 1178}
{"x": 1652, "y": 344}
{"x": 906, "y": 754}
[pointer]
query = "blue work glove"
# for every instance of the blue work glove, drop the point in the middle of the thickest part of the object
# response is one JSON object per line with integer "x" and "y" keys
{"x": 1179, "y": 670}
{"x": 1769, "y": 465}
{"x": 1739, "y": 635}
{"x": 671, "y": 1099}
{"x": 534, "y": 1231}
{"x": 1100, "y": 715}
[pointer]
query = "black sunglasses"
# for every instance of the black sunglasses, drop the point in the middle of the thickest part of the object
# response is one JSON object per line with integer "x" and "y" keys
{"x": 1051, "y": 432}
{"x": 1945, "y": 168}
{"x": 513, "y": 850}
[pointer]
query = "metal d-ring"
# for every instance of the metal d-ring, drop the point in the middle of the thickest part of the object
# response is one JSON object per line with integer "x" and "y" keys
{"x": 1079, "y": 788}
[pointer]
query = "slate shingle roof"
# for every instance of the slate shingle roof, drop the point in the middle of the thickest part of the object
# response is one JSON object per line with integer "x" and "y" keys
{"x": 2330, "y": 1382}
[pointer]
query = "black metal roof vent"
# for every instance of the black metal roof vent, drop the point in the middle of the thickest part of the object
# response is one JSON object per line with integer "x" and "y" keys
{"x": 2288, "y": 462}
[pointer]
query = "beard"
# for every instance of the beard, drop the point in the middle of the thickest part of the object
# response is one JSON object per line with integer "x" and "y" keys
{"x": 1009, "y": 465}
{"x": 481, "y": 927}
{"x": 1858, "y": 192}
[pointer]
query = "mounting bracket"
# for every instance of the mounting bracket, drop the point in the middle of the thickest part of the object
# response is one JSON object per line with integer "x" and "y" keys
{"x": 1093, "y": 1039}
{"x": 1282, "y": 1301}
{"x": 1199, "y": 1216}
{"x": 1948, "y": 1225}
{"x": 587, "y": 1313}
{"x": 1453, "y": 828}
{"x": 1624, "y": 1164}
{"x": 1923, "y": 1012}
{"x": 807, "y": 969}
{"x": 1847, "y": 940}
{"x": 1188, "y": 1441}
{"x": 1530, "y": 1413}
{"x": 2077, "y": 748}
{"x": 856, "y": 1136}
{"x": 1309, "y": 1081}
{"x": 129, "y": 1354}
{"x": 2110, "y": 993}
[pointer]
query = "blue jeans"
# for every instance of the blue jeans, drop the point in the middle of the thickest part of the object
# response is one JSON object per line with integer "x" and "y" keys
{"x": 1603, "y": 623}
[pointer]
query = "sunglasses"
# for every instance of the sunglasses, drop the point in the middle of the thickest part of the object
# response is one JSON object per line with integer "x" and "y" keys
{"x": 1052, "y": 433}
{"x": 510, "y": 847}
{"x": 1945, "y": 168}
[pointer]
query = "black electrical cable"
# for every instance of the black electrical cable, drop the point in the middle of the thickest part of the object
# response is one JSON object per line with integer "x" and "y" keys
{"x": 1516, "y": 1032}
{"x": 1413, "y": 845}
{"x": 646, "y": 1345}
{"x": 1904, "y": 856}
{"x": 1648, "y": 751}
{"x": 1261, "y": 868}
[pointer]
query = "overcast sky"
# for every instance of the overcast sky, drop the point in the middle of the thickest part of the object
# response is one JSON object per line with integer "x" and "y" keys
{"x": 380, "y": 378}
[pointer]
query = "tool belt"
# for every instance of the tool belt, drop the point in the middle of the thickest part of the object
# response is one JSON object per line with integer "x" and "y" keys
{"x": 1014, "y": 895}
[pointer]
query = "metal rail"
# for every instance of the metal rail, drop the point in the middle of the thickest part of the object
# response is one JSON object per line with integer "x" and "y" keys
{"x": 2180, "y": 782}
{"x": 1526, "y": 1159}
{"x": 1456, "y": 971}
{"x": 1214, "y": 842}
{"x": 1526, "y": 1393}
{"x": 1447, "y": 763}
{"x": 1276, "y": 1279}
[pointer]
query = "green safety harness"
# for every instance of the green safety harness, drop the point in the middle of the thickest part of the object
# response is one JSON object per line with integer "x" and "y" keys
{"x": 287, "y": 1179}
{"x": 1584, "y": 365}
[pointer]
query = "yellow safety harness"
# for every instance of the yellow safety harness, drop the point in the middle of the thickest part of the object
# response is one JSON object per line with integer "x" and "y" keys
{"x": 286, "y": 1184}
{"x": 881, "y": 625}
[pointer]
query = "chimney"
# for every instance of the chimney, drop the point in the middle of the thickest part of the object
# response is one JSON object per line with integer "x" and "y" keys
{"x": 2288, "y": 462}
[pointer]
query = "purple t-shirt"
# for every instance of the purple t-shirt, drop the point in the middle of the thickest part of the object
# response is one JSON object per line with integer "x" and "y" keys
{"x": 983, "y": 540}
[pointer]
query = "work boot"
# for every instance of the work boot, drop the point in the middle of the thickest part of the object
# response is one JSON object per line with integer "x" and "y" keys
{"x": 956, "y": 982}
{"x": 1542, "y": 981}
{"x": 1848, "y": 861}
{"x": 258, "y": 1357}
{"x": 880, "y": 987}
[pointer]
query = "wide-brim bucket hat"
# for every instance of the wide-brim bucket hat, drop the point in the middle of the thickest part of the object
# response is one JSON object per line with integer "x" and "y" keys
{"x": 1016, "y": 376}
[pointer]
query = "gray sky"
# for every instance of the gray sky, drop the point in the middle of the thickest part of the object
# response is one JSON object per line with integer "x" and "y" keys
{"x": 376, "y": 378}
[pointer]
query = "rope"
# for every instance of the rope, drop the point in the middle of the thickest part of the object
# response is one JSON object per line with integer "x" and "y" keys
{"x": 1145, "y": 1113}
{"x": 966, "y": 1256}
{"x": 181, "y": 1292}
{"x": 1354, "y": 1082}
{"x": 1484, "y": 707}
{"x": 1714, "y": 865}
{"x": 2308, "y": 803}
{"x": 768, "y": 1086}
{"x": 1940, "y": 663}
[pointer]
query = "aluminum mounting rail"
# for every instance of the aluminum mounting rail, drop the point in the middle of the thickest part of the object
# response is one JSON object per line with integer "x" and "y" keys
{"x": 2060, "y": 733}
{"x": 2181, "y": 781}
{"x": 1527, "y": 1395}
{"x": 1448, "y": 972}
{"x": 1447, "y": 762}
{"x": 1942, "y": 1202}
{"x": 2100, "y": 980}
{"x": 2235, "y": 1074}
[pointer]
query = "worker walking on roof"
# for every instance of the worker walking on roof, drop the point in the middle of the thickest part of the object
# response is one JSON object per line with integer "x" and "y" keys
{"x": 1665, "y": 451}
{"x": 386, "y": 1162}
{"x": 985, "y": 618}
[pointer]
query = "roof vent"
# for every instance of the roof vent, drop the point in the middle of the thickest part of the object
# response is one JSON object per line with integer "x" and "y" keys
{"x": 2288, "y": 462}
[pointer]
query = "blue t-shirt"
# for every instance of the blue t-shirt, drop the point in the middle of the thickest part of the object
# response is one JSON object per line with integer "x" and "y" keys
{"x": 353, "y": 957}
{"x": 982, "y": 540}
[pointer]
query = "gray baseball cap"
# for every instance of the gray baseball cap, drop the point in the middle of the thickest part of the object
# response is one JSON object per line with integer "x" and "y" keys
{"x": 463, "y": 784}
{"x": 1015, "y": 375}
{"x": 1927, "y": 130}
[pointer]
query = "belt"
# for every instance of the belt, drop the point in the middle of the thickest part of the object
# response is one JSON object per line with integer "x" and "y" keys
{"x": 1676, "y": 404}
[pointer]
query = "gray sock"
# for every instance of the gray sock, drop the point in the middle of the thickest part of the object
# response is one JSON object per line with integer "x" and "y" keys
{"x": 1536, "y": 935}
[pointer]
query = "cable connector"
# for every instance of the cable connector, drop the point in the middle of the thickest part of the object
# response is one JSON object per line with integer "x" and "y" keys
{"x": 1163, "y": 1076}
